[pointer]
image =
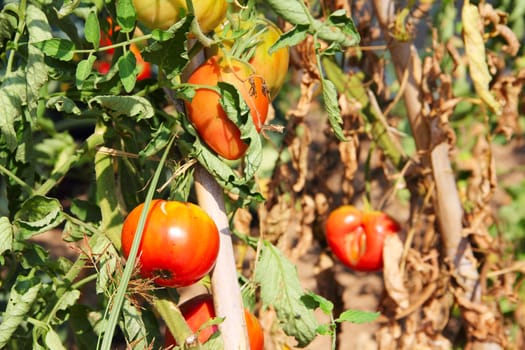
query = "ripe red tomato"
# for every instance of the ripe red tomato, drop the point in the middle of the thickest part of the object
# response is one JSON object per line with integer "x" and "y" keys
{"x": 206, "y": 113}
{"x": 179, "y": 245}
{"x": 357, "y": 237}
{"x": 272, "y": 67}
{"x": 199, "y": 310}
{"x": 164, "y": 13}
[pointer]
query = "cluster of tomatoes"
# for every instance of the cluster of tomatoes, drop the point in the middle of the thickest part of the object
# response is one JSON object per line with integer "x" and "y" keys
{"x": 179, "y": 246}
{"x": 171, "y": 251}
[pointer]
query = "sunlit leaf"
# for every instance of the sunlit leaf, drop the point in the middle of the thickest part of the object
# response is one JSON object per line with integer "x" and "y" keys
{"x": 36, "y": 69}
{"x": 21, "y": 297}
{"x": 12, "y": 95}
{"x": 61, "y": 49}
{"x": 132, "y": 106}
{"x": 126, "y": 15}
{"x": 38, "y": 214}
{"x": 92, "y": 29}
{"x": 357, "y": 316}
{"x": 63, "y": 104}
{"x": 281, "y": 289}
{"x": 127, "y": 69}
{"x": 6, "y": 236}
{"x": 84, "y": 69}
{"x": 332, "y": 108}
{"x": 53, "y": 341}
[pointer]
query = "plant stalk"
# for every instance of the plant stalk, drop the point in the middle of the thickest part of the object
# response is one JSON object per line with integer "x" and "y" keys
{"x": 225, "y": 286}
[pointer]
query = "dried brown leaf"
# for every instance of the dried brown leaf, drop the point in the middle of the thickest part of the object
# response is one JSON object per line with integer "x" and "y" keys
{"x": 392, "y": 275}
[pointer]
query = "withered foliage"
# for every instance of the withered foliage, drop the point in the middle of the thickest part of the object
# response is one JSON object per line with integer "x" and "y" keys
{"x": 421, "y": 290}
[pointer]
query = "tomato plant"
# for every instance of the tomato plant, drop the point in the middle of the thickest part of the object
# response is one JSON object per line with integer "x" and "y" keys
{"x": 357, "y": 237}
{"x": 103, "y": 64}
{"x": 163, "y": 13}
{"x": 206, "y": 113}
{"x": 199, "y": 310}
{"x": 179, "y": 245}
{"x": 255, "y": 38}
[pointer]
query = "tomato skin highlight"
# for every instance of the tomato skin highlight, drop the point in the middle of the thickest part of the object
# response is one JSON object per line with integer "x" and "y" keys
{"x": 356, "y": 238}
{"x": 198, "y": 310}
{"x": 179, "y": 245}
{"x": 164, "y": 13}
{"x": 208, "y": 116}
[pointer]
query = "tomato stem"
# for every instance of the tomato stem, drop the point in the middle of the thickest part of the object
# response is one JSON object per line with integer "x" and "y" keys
{"x": 225, "y": 287}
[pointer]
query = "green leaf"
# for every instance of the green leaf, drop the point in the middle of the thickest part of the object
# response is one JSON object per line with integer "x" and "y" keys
{"x": 291, "y": 38}
{"x": 133, "y": 326}
{"x": 61, "y": 49}
{"x": 92, "y": 29}
{"x": 339, "y": 29}
{"x": 6, "y": 237}
{"x": 357, "y": 316}
{"x": 23, "y": 293}
{"x": 36, "y": 70}
{"x": 314, "y": 301}
{"x": 7, "y": 27}
{"x": 67, "y": 8}
{"x": 332, "y": 108}
{"x": 131, "y": 106}
{"x": 126, "y": 15}
{"x": 102, "y": 248}
{"x": 281, "y": 289}
{"x": 83, "y": 71}
{"x": 68, "y": 299}
{"x": 127, "y": 70}
{"x": 38, "y": 214}
{"x": 171, "y": 55}
{"x": 293, "y": 11}
{"x": 325, "y": 329}
{"x": 12, "y": 95}
{"x": 53, "y": 341}
{"x": 63, "y": 104}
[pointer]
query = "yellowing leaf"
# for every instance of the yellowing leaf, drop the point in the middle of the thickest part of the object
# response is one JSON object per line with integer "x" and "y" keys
{"x": 475, "y": 50}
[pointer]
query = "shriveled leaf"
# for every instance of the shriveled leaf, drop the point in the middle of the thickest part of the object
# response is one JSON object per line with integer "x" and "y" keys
{"x": 332, "y": 107}
{"x": 131, "y": 106}
{"x": 92, "y": 29}
{"x": 84, "y": 69}
{"x": 127, "y": 70}
{"x": 281, "y": 289}
{"x": 21, "y": 297}
{"x": 476, "y": 55}
{"x": 53, "y": 341}
{"x": 357, "y": 316}
{"x": 58, "y": 48}
{"x": 392, "y": 275}
{"x": 63, "y": 104}
{"x": 126, "y": 15}
{"x": 38, "y": 214}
